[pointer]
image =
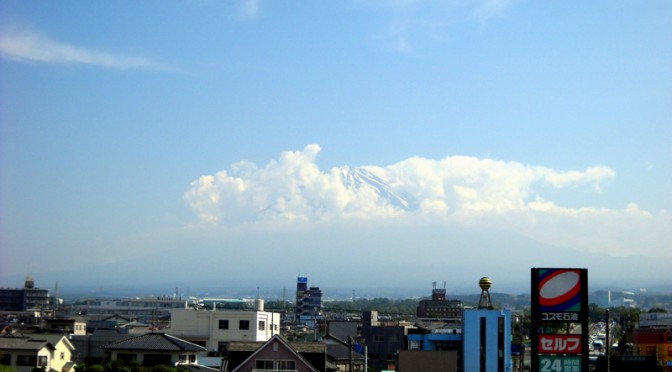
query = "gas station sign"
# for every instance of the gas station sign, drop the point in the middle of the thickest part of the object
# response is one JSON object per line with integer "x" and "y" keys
{"x": 559, "y": 316}
{"x": 560, "y": 344}
{"x": 559, "y": 364}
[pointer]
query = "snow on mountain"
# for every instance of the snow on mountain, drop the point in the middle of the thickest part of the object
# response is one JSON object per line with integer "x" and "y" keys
{"x": 358, "y": 178}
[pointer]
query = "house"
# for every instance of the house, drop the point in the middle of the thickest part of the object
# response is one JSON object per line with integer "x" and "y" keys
{"x": 344, "y": 346}
{"x": 71, "y": 326}
{"x": 340, "y": 354}
{"x": 51, "y": 352}
{"x": 153, "y": 349}
{"x": 278, "y": 354}
{"x": 216, "y": 329}
{"x": 88, "y": 347}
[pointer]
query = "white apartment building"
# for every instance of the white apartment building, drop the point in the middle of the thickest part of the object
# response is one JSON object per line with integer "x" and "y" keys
{"x": 214, "y": 329}
{"x": 132, "y": 307}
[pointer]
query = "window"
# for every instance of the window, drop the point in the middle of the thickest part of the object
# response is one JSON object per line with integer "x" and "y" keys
{"x": 26, "y": 360}
{"x": 126, "y": 358}
{"x": 152, "y": 360}
{"x": 223, "y": 324}
{"x": 6, "y": 359}
{"x": 42, "y": 362}
{"x": 285, "y": 365}
{"x": 62, "y": 355}
{"x": 262, "y": 325}
{"x": 263, "y": 364}
{"x": 244, "y": 324}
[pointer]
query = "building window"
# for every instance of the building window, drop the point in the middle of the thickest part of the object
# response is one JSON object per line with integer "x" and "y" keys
{"x": 263, "y": 364}
{"x": 42, "y": 361}
{"x": 244, "y": 324}
{"x": 26, "y": 360}
{"x": 286, "y": 365}
{"x": 6, "y": 359}
{"x": 126, "y": 358}
{"x": 62, "y": 355}
{"x": 262, "y": 325}
{"x": 223, "y": 324}
{"x": 152, "y": 360}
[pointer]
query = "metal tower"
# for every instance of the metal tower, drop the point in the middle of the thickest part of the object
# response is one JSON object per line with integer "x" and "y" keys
{"x": 485, "y": 303}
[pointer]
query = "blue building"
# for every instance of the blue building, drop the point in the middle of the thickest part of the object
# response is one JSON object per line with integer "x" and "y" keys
{"x": 487, "y": 336}
{"x": 308, "y": 302}
{"x": 434, "y": 341}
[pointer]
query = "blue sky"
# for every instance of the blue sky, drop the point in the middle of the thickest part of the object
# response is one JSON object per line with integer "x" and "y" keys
{"x": 123, "y": 125}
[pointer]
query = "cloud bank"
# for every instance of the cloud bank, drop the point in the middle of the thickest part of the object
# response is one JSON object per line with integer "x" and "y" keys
{"x": 32, "y": 46}
{"x": 453, "y": 191}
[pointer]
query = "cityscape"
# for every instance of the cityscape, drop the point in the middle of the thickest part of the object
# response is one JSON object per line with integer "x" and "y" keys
{"x": 303, "y": 331}
{"x": 332, "y": 186}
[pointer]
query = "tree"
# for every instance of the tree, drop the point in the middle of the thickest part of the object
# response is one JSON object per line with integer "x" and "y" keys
{"x": 657, "y": 310}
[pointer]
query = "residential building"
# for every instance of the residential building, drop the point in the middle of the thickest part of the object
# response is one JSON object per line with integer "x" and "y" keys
{"x": 215, "y": 329}
{"x": 70, "y": 326}
{"x": 24, "y": 299}
{"x": 154, "y": 349}
{"x": 50, "y": 352}
{"x": 277, "y": 354}
{"x": 88, "y": 347}
{"x": 144, "y": 309}
{"x": 343, "y": 355}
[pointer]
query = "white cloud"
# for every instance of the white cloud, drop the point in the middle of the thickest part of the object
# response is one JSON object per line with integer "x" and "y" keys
{"x": 294, "y": 187}
{"x": 32, "y": 46}
{"x": 453, "y": 191}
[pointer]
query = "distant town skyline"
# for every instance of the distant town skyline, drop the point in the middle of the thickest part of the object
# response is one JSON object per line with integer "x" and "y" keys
{"x": 387, "y": 143}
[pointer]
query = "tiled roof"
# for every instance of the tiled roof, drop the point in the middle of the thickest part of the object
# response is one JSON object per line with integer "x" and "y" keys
{"x": 340, "y": 352}
{"x": 154, "y": 341}
{"x": 343, "y": 330}
{"x": 17, "y": 343}
{"x": 301, "y": 347}
{"x": 291, "y": 348}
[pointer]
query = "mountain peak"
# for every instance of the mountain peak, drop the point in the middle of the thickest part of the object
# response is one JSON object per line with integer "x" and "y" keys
{"x": 358, "y": 178}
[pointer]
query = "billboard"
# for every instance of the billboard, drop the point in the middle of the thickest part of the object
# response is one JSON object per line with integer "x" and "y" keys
{"x": 559, "y": 317}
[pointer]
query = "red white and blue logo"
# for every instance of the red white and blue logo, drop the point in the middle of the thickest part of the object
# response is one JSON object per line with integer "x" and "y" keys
{"x": 559, "y": 290}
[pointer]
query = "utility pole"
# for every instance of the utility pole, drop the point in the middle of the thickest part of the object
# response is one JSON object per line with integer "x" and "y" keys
{"x": 608, "y": 344}
{"x": 352, "y": 359}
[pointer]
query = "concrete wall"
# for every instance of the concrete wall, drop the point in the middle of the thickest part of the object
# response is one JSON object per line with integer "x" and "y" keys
{"x": 198, "y": 325}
